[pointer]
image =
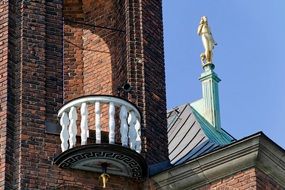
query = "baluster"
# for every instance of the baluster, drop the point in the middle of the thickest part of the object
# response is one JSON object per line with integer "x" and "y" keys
{"x": 124, "y": 126}
{"x": 132, "y": 130}
{"x": 72, "y": 127}
{"x": 64, "y": 121}
{"x": 111, "y": 123}
{"x": 98, "y": 122}
{"x": 84, "y": 123}
{"x": 138, "y": 146}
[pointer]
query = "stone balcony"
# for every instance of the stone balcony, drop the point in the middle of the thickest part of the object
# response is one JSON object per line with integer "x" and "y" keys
{"x": 123, "y": 158}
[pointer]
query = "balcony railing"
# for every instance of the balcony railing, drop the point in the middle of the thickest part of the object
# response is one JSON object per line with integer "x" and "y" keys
{"x": 129, "y": 116}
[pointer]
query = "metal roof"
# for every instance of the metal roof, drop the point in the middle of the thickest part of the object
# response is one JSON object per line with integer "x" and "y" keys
{"x": 190, "y": 135}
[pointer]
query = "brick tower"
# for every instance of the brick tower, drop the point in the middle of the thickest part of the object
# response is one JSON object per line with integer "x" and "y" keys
{"x": 68, "y": 69}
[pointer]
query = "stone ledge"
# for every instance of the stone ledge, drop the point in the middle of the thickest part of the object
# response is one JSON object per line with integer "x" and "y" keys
{"x": 255, "y": 151}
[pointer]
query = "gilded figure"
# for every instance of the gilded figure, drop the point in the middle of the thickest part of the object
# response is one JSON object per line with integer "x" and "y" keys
{"x": 208, "y": 41}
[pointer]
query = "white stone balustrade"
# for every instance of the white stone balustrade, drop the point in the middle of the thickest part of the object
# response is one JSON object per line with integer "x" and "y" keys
{"x": 129, "y": 121}
{"x": 72, "y": 127}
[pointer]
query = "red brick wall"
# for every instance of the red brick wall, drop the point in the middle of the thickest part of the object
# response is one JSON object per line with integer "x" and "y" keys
{"x": 145, "y": 61}
{"x": 244, "y": 180}
{"x": 35, "y": 80}
{"x": 9, "y": 77}
{"x": 53, "y": 59}
{"x": 93, "y": 55}
{"x": 154, "y": 81}
{"x": 98, "y": 60}
{"x": 265, "y": 182}
{"x": 4, "y": 8}
{"x": 241, "y": 180}
{"x": 73, "y": 66}
{"x": 32, "y": 106}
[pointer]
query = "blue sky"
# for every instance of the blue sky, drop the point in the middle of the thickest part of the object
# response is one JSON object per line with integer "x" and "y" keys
{"x": 249, "y": 58}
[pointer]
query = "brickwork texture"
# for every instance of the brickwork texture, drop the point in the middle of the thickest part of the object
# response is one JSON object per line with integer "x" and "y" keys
{"x": 252, "y": 179}
{"x": 52, "y": 51}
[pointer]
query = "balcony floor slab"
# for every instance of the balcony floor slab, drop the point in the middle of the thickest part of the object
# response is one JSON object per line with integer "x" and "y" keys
{"x": 121, "y": 161}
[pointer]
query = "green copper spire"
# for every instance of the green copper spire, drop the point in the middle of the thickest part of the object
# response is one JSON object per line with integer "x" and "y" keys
{"x": 208, "y": 106}
{"x": 210, "y": 92}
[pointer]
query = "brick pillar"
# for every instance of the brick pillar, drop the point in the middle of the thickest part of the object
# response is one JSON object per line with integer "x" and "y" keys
{"x": 9, "y": 82}
{"x": 146, "y": 73}
{"x": 4, "y": 138}
{"x": 32, "y": 87}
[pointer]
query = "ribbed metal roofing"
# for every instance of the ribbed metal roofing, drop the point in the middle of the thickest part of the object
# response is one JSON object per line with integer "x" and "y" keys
{"x": 190, "y": 135}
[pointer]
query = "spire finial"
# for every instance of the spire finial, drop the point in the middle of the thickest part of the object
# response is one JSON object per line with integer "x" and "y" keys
{"x": 208, "y": 106}
{"x": 208, "y": 42}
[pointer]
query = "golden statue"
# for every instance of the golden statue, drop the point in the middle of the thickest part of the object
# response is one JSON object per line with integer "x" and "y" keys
{"x": 207, "y": 39}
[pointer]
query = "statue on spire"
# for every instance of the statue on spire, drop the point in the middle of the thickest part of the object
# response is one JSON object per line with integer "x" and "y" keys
{"x": 207, "y": 39}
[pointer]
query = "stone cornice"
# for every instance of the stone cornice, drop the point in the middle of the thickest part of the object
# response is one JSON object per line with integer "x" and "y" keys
{"x": 254, "y": 151}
